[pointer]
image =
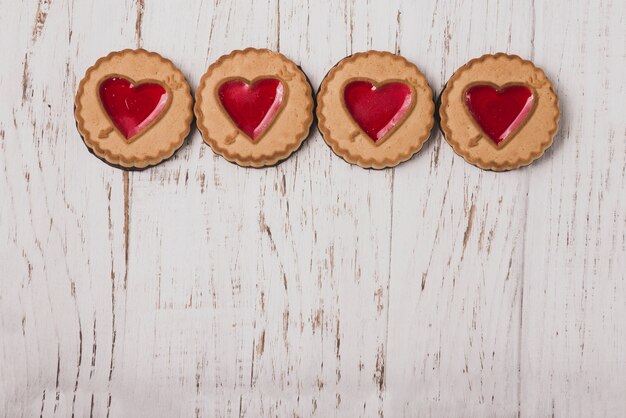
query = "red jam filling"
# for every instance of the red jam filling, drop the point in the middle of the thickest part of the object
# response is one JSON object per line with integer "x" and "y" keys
{"x": 132, "y": 107}
{"x": 499, "y": 112}
{"x": 377, "y": 110}
{"x": 252, "y": 107}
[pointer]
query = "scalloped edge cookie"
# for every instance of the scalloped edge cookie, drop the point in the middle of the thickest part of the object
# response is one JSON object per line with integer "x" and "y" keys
{"x": 530, "y": 141}
{"x": 287, "y": 132}
{"x": 343, "y": 134}
{"x": 162, "y": 138}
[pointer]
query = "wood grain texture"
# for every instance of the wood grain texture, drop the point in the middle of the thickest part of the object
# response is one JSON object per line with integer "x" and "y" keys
{"x": 313, "y": 288}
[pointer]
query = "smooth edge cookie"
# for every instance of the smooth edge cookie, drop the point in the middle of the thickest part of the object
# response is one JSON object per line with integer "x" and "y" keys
{"x": 121, "y": 161}
{"x": 278, "y": 155}
{"x": 478, "y": 161}
{"x": 335, "y": 144}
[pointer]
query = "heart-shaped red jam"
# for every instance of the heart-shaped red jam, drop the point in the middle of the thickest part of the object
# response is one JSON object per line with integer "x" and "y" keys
{"x": 378, "y": 109}
{"x": 132, "y": 108}
{"x": 499, "y": 112}
{"x": 252, "y": 106}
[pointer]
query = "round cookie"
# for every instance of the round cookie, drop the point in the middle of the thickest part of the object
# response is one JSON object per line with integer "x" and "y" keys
{"x": 133, "y": 109}
{"x": 375, "y": 109}
{"x": 254, "y": 107}
{"x": 499, "y": 112}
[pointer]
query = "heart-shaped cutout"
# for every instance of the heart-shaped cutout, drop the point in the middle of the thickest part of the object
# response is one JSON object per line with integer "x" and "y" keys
{"x": 132, "y": 107}
{"x": 252, "y": 106}
{"x": 499, "y": 112}
{"x": 378, "y": 109}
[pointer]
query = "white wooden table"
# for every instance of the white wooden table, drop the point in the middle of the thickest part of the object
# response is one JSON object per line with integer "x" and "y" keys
{"x": 314, "y": 288}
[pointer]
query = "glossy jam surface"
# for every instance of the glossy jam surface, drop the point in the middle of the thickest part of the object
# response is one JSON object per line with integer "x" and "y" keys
{"x": 132, "y": 107}
{"x": 499, "y": 112}
{"x": 252, "y": 107}
{"x": 377, "y": 110}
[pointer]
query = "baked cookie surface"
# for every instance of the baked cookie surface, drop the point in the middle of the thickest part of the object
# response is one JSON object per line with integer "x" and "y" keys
{"x": 254, "y": 107}
{"x": 499, "y": 112}
{"x": 133, "y": 109}
{"x": 375, "y": 109}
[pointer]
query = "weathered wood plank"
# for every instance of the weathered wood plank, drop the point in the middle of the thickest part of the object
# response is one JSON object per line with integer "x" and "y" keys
{"x": 280, "y": 234}
{"x": 573, "y": 329}
{"x": 62, "y": 215}
{"x": 198, "y": 288}
{"x": 458, "y": 240}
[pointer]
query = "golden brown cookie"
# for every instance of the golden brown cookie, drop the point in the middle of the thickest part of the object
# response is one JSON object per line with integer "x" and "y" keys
{"x": 133, "y": 108}
{"x": 499, "y": 112}
{"x": 375, "y": 109}
{"x": 254, "y": 107}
